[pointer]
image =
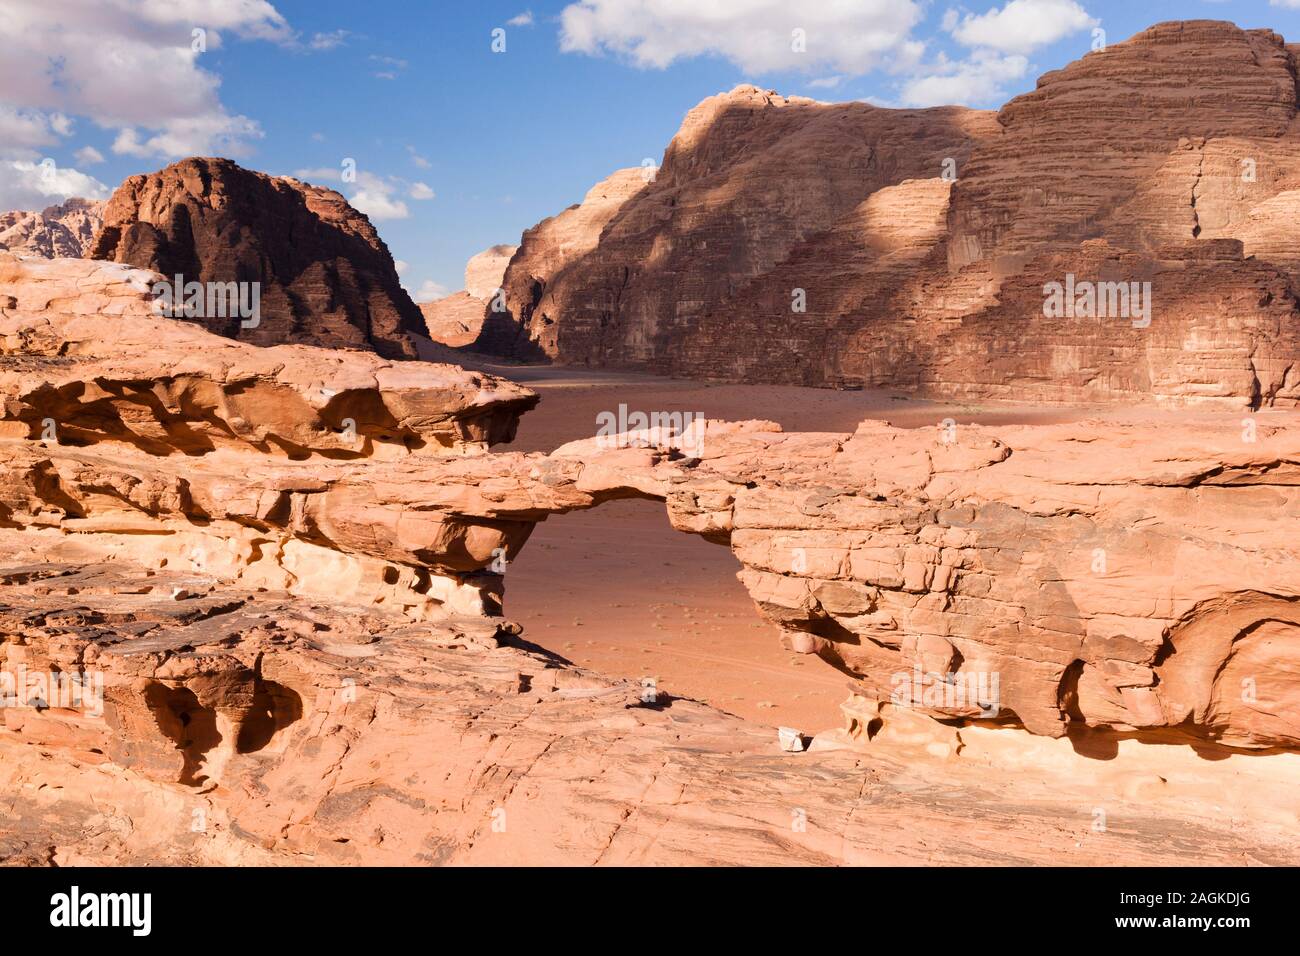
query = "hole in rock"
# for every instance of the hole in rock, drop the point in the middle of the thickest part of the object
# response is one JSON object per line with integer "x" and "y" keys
{"x": 275, "y": 707}
{"x": 618, "y": 591}
{"x": 187, "y": 723}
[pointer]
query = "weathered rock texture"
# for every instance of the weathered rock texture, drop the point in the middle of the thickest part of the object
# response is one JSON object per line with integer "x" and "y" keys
{"x": 63, "y": 230}
{"x": 172, "y": 388}
{"x": 326, "y": 277}
{"x": 299, "y": 636}
{"x": 456, "y": 320}
{"x": 794, "y": 242}
{"x": 247, "y": 728}
{"x": 545, "y": 252}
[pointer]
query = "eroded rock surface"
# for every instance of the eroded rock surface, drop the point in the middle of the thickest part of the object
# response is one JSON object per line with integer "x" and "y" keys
{"x": 252, "y": 728}
{"x": 326, "y": 278}
{"x": 85, "y": 352}
{"x": 301, "y": 655}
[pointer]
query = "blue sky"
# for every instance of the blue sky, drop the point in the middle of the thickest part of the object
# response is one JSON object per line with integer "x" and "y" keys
{"x": 458, "y": 147}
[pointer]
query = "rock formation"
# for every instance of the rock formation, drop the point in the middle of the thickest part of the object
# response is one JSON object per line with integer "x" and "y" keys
{"x": 545, "y": 251}
{"x": 63, "y": 230}
{"x": 252, "y": 602}
{"x": 326, "y": 278}
{"x": 484, "y": 272}
{"x": 793, "y": 242}
{"x": 456, "y": 320}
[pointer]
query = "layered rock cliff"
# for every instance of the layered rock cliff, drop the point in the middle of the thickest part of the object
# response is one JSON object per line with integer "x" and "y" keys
{"x": 525, "y": 329}
{"x": 795, "y": 242}
{"x": 324, "y": 275}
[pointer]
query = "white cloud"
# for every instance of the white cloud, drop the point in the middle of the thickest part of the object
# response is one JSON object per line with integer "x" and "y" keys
{"x": 254, "y": 19}
{"x": 394, "y": 66}
{"x": 89, "y": 156}
{"x": 417, "y": 159}
{"x": 980, "y": 80}
{"x": 200, "y": 135}
{"x": 846, "y": 36}
{"x": 379, "y": 205}
{"x": 1000, "y": 42}
{"x": 1021, "y": 26}
{"x": 524, "y": 19}
{"x": 130, "y": 66}
{"x": 318, "y": 174}
{"x": 22, "y": 130}
{"x": 328, "y": 41}
{"x": 28, "y": 185}
{"x": 401, "y": 265}
{"x": 379, "y": 197}
{"x": 375, "y": 197}
{"x": 827, "y": 82}
{"x": 429, "y": 291}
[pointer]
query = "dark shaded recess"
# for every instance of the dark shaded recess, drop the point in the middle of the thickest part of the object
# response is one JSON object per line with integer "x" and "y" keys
{"x": 187, "y": 723}
{"x": 275, "y": 707}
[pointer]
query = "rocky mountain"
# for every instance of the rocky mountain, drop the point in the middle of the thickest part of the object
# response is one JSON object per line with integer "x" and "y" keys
{"x": 253, "y": 575}
{"x": 750, "y": 176}
{"x": 457, "y": 319}
{"x": 789, "y": 241}
{"x": 65, "y": 230}
{"x": 325, "y": 277}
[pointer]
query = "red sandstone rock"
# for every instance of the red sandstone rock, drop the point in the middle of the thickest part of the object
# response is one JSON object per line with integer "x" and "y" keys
{"x": 749, "y": 177}
{"x": 1008, "y": 552}
{"x": 457, "y": 320}
{"x": 326, "y": 278}
{"x": 484, "y": 272}
{"x": 61, "y": 365}
{"x": 543, "y": 255}
{"x": 300, "y": 637}
{"x": 301, "y": 655}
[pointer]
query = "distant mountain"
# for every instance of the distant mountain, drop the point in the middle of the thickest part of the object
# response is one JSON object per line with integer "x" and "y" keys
{"x": 62, "y": 231}
{"x": 326, "y": 278}
{"x": 457, "y": 319}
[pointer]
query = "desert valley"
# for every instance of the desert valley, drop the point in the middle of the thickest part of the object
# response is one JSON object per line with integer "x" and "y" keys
{"x": 856, "y": 485}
